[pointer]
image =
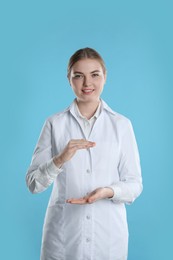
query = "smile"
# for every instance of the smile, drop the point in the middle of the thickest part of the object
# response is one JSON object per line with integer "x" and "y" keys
{"x": 87, "y": 91}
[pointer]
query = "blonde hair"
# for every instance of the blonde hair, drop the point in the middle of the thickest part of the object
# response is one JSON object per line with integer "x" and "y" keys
{"x": 85, "y": 53}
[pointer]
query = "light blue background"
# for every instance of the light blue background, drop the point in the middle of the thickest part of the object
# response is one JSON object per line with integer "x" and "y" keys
{"x": 135, "y": 39}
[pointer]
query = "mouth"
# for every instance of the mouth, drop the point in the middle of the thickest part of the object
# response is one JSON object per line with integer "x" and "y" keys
{"x": 87, "y": 91}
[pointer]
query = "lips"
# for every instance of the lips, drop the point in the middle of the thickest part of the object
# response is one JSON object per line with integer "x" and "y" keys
{"x": 87, "y": 91}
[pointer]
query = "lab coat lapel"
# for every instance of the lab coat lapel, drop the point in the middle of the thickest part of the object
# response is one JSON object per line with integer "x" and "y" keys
{"x": 101, "y": 121}
{"x": 72, "y": 111}
{"x": 98, "y": 122}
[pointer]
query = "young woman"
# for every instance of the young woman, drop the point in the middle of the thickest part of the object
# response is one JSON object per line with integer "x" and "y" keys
{"x": 89, "y": 153}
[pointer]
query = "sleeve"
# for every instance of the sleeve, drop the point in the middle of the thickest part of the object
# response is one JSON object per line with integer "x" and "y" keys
{"x": 129, "y": 186}
{"x": 42, "y": 170}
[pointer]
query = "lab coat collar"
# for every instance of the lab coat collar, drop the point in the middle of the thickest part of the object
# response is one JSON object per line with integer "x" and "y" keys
{"x": 104, "y": 106}
{"x": 96, "y": 114}
{"x": 107, "y": 108}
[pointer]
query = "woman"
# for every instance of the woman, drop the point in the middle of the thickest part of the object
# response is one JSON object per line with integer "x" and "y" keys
{"x": 89, "y": 153}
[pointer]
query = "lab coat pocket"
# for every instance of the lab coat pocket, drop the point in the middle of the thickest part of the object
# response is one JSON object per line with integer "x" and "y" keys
{"x": 53, "y": 231}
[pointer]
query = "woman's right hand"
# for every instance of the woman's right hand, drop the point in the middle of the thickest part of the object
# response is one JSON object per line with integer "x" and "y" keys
{"x": 70, "y": 150}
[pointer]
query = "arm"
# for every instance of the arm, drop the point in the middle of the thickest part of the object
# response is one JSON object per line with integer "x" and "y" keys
{"x": 44, "y": 169}
{"x": 129, "y": 186}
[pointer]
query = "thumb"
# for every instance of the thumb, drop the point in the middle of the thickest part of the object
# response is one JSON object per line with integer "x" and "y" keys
{"x": 92, "y": 198}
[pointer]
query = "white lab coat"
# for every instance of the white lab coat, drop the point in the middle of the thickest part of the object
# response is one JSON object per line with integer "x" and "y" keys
{"x": 95, "y": 231}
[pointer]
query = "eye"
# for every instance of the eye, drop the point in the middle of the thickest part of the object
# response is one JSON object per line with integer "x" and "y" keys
{"x": 78, "y": 76}
{"x": 94, "y": 75}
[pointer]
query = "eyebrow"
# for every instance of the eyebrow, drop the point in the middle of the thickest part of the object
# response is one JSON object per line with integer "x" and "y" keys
{"x": 78, "y": 72}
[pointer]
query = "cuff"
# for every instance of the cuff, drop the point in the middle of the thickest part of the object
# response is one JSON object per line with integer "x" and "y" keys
{"x": 117, "y": 192}
{"x": 52, "y": 170}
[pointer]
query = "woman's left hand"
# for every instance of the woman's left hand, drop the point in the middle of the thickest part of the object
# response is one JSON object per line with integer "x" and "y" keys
{"x": 97, "y": 194}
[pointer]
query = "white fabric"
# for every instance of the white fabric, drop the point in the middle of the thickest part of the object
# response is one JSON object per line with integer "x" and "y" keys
{"x": 95, "y": 231}
{"x": 87, "y": 124}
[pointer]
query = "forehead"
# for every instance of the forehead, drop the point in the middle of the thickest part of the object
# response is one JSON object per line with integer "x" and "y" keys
{"x": 87, "y": 65}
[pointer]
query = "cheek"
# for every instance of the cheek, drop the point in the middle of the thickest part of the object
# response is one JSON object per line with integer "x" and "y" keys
{"x": 101, "y": 83}
{"x": 76, "y": 85}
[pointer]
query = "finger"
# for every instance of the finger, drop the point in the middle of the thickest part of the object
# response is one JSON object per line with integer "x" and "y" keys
{"x": 74, "y": 200}
{"x": 84, "y": 146}
{"x": 80, "y": 146}
{"x": 77, "y": 201}
{"x": 80, "y": 141}
{"x": 77, "y": 140}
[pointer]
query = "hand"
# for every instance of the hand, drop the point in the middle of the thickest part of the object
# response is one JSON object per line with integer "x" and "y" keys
{"x": 71, "y": 149}
{"x": 97, "y": 194}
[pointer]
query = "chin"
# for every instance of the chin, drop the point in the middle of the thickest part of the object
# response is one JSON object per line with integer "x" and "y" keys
{"x": 88, "y": 98}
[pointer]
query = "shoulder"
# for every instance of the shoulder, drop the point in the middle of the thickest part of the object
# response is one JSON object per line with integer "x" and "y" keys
{"x": 117, "y": 117}
{"x": 55, "y": 118}
{"x": 58, "y": 115}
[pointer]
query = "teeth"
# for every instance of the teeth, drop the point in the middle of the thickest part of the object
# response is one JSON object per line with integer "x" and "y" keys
{"x": 89, "y": 90}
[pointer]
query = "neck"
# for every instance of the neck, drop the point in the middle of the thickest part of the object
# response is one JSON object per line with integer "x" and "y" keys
{"x": 87, "y": 109}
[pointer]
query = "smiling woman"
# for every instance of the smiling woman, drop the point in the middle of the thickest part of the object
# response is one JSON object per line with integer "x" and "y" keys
{"x": 89, "y": 153}
{"x": 87, "y": 80}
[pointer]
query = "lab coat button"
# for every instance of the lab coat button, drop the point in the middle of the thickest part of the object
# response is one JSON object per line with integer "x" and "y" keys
{"x": 88, "y": 171}
{"x": 88, "y": 239}
{"x": 88, "y": 217}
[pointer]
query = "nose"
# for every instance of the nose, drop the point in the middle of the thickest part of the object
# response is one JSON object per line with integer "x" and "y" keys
{"x": 87, "y": 81}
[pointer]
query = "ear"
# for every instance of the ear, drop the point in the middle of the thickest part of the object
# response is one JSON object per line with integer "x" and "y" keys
{"x": 69, "y": 80}
{"x": 105, "y": 76}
